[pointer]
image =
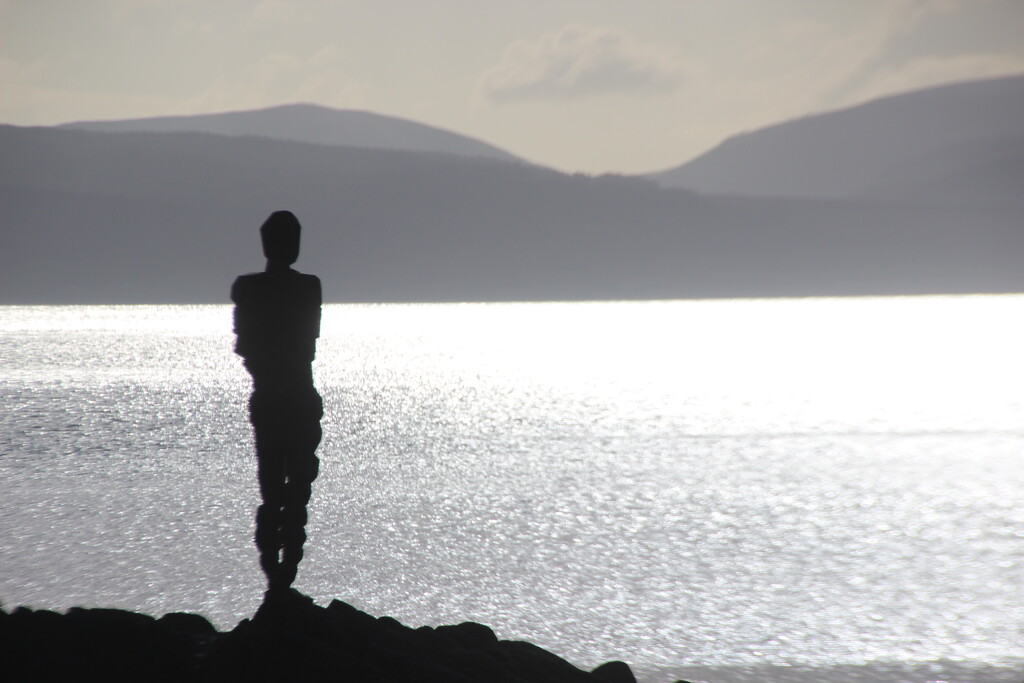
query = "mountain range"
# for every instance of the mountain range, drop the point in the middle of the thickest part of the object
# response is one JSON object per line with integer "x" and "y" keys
{"x": 961, "y": 142}
{"x": 313, "y": 124}
{"x": 123, "y": 214}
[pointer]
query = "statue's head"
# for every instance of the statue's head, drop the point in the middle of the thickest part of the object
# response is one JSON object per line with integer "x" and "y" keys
{"x": 280, "y": 234}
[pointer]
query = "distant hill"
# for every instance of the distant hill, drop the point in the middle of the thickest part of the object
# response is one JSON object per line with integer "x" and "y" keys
{"x": 88, "y": 217}
{"x": 920, "y": 146}
{"x": 313, "y": 124}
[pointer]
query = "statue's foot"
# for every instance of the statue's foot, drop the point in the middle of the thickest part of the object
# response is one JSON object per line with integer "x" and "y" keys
{"x": 287, "y": 595}
{"x": 285, "y": 575}
{"x": 277, "y": 585}
{"x": 283, "y": 605}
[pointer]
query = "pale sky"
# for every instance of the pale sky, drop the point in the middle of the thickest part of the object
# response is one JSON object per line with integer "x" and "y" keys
{"x": 580, "y": 85}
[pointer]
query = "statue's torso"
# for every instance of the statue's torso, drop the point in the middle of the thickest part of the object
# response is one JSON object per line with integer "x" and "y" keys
{"x": 277, "y": 322}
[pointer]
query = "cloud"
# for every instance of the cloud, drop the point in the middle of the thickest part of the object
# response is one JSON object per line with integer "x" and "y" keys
{"x": 580, "y": 61}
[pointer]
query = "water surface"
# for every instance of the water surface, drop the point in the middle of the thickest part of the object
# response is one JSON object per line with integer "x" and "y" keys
{"x": 810, "y": 485}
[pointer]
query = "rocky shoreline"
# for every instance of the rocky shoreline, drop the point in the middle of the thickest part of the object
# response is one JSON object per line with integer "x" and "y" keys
{"x": 288, "y": 639}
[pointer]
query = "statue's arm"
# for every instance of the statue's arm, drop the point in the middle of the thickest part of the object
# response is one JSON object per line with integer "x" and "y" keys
{"x": 317, "y": 296}
{"x": 241, "y": 317}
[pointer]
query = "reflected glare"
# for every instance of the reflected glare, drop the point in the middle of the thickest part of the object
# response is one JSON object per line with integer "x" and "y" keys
{"x": 817, "y": 482}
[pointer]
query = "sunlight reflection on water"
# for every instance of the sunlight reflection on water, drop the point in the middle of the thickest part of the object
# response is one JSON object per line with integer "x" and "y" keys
{"x": 816, "y": 481}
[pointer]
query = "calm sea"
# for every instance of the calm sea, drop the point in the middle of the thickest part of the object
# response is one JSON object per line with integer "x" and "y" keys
{"x": 813, "y": 489}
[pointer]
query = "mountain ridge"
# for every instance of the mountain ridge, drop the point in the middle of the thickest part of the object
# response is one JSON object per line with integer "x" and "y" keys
{"x": 856, "y": 151}
{"x": 92, "y": 217}
{"x": 313, "y": 124}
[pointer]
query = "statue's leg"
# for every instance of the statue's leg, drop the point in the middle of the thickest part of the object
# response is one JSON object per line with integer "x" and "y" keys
{"x": 271, "y": 457}
{"x": 294, "y": 516}
{"x": 302, "y": 469}
{"x": 268, "y": 540}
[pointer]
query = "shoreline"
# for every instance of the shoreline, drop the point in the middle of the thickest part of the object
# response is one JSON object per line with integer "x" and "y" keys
{"x": 290, "y": 638}
{"x": 293, "y": 639}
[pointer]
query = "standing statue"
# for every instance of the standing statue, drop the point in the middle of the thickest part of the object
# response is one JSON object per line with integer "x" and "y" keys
{"x": 277, "y": 322}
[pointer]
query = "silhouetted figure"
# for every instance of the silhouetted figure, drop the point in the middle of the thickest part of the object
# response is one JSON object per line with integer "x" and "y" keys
{"x": 277, "y": 322}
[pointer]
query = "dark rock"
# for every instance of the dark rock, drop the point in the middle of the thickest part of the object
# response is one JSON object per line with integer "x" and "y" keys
{"x": 289, "y": 639}
{"x": 115, "y": 644}
{"x": 431, "y": 638}
{"x": 469, "y": 634}
{"x": 186, "y": 623}
{"x": 615, "y": 672}
{"x": 116, "y": 619}
{"x": 390, "y": 623}
{"x": 536, "y": 664}
{"x": 358, "y": 629}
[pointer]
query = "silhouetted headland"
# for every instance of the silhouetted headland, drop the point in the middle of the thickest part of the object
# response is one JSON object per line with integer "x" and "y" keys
{"x": 289, "y": 639}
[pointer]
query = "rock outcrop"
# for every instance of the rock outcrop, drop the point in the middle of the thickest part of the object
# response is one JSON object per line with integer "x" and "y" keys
{"x": 289, "y": 639}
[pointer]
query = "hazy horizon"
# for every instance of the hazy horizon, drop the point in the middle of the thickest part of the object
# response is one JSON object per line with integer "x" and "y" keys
{"x": 590, "y": 86}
